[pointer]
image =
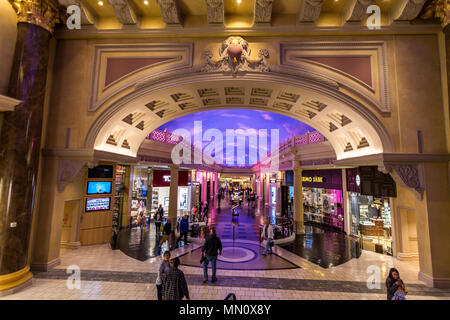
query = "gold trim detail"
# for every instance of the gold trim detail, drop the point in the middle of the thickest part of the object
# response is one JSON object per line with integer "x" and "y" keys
{"x": 43, "y": 13}
{"x": 437, "y": 9}
{"x": 15, "y": 279}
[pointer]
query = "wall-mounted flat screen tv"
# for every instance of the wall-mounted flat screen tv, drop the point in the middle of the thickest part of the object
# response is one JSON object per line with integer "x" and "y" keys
{"x": 99, "y": 187}
{"x": 97, "y": 204}
{"x": 101, "y": 172}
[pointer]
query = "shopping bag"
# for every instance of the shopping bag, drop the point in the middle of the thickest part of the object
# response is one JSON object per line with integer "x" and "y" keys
{"x": 202, "y": 258}
{"x": 399, "y": 295}
{"x": 165, "y": 247}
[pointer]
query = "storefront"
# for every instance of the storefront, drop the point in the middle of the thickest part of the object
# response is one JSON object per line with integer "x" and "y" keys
{"x": 287, "y": 195}
{"x": 369, "y": 197}
{"x": 161, "y": 191}
{"x": 322, "y": 198}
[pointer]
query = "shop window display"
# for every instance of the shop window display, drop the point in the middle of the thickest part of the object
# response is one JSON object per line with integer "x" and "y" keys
{"x": 371, "y": 221}
{"x": 139, "y": 195}
{"x": 119, "y": 193}
{"x": 324, "y": 206}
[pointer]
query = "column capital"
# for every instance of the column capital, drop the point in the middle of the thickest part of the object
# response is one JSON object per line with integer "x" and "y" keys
{"x": 43, "y": 13}
{"x": 437, "y": 9}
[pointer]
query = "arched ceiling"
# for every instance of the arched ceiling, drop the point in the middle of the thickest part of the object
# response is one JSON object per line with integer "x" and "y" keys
{"x": 351, "y": 129}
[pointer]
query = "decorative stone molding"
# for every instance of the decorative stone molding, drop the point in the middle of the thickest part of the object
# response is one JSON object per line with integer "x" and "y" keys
{"x": 179, "y": 57}
{"x": 360, "y": 10}
{"x": 68, "y": 170}
{"x": 88, "y": 16}
{"x": 8, "y": 103}
{"x": 263, "y": 11}
{"x": 170, "y": 11}
{"x": 234, "y": 56}
{"x": 411, "y": 10}
{"x": 309, "y": 10}
{"x": 43, "y": 13}
{"x": 410, "y": 176}
{"x": 215, "y": 11}
{"x": 126, "y": 11}
{"x": 295, "y": 55}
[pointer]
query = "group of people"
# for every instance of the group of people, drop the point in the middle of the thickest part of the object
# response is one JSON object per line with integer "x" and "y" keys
{"x": 171, "y": 283}
{"x": 200, "y": 212}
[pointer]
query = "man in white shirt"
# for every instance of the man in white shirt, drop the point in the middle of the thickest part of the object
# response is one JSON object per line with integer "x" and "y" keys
{"x": 267, "y": 234}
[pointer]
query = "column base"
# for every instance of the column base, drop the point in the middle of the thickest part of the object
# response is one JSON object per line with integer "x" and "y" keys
{"x": 16, "y": 281}
{"x": 408, "y": 256}
{"x": 44, "y": 267}
{"x": 441, "y": 283}
{"x": 71, "y": 245}
{"x": 299, "y": 227}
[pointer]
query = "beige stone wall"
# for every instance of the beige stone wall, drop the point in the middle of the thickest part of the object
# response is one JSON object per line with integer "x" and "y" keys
{"x": 416, "y": 100}
{"x": 8, "y": 34}
{"x": 414, "y": 87}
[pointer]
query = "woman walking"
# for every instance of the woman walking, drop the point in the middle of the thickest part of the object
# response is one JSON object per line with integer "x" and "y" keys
{"x": 163, "y": 270}
{"x": 396, "y": 289}
{"x": 175, "y": 286}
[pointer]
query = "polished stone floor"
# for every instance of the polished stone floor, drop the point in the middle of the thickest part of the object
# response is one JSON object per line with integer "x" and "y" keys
{"x": 240, "y": 255}
{"x": 130, "y": 273}
{"x": 111, "y": 275}
{"x": 322, "y": 247}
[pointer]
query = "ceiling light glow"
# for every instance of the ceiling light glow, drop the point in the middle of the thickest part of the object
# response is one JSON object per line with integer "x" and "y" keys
{"x": 100, "y": 3}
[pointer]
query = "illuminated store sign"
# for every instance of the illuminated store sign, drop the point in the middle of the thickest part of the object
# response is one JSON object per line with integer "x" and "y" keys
{"x": 314, "y": 179}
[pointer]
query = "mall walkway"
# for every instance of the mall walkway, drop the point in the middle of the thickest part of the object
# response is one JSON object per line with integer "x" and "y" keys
{"x": 323, "y": 247}
{"x": 112, "y": 275}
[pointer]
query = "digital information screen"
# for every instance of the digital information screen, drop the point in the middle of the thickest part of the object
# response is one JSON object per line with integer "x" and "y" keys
{"x": 97, "y": 204}
{"x": 99, "y": 187}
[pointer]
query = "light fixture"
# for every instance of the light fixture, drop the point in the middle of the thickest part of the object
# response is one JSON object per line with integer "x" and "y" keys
{"x": 146, "y": 2}
{"x": 238, "y": 1}
{"x": 100, "y": 3}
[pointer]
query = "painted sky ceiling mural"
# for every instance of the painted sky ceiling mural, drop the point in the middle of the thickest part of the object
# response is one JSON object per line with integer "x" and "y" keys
{"x": 240, "y": 119}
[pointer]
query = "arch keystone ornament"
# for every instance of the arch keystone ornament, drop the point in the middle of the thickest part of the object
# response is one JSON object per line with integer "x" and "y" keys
{"x": 234, "y": 56}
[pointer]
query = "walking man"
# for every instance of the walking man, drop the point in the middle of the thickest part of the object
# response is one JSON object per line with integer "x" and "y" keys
{"x": 158, "y": 219}
{"x": 205, "y": 212}
{"x": 184, "y": 228}
{"x": 267, "y": 234}
{"x": 209, "y": 249}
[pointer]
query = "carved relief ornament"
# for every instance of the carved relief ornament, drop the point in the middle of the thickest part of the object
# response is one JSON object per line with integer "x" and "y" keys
{"x": 234, "y": 56}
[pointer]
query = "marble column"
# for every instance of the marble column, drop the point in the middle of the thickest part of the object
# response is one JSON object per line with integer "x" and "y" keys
{"x": 298, "y": 202}
{"x": 204, "y": 186}
{"x": 20, "y": 139}
{"x": 279, "y": 180}
{"x": 345, "y": 204}
{"x": 173, "y": 195}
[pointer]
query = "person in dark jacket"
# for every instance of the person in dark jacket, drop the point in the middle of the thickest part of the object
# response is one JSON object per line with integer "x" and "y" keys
{"x": 393, "y": 283}
{"x": 175, "y": 286}
{"x": 184, "y": 228}
{"x": 158, "y": 219}
{"x": 205, "y": 212}
{"x": 209, "y": 249}
{"x": 167, "y": 230}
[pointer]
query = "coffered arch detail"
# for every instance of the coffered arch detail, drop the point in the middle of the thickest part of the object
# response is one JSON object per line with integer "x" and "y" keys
{"x": 352, "y": 129}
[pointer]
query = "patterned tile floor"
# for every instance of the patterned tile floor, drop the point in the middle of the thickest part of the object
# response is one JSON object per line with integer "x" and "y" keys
{"x": 107, "y": 274}
{"x": 113, "y": 275}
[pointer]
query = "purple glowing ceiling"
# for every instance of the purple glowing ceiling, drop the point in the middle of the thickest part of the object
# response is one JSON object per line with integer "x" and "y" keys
{"x": 240, "y": 119}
